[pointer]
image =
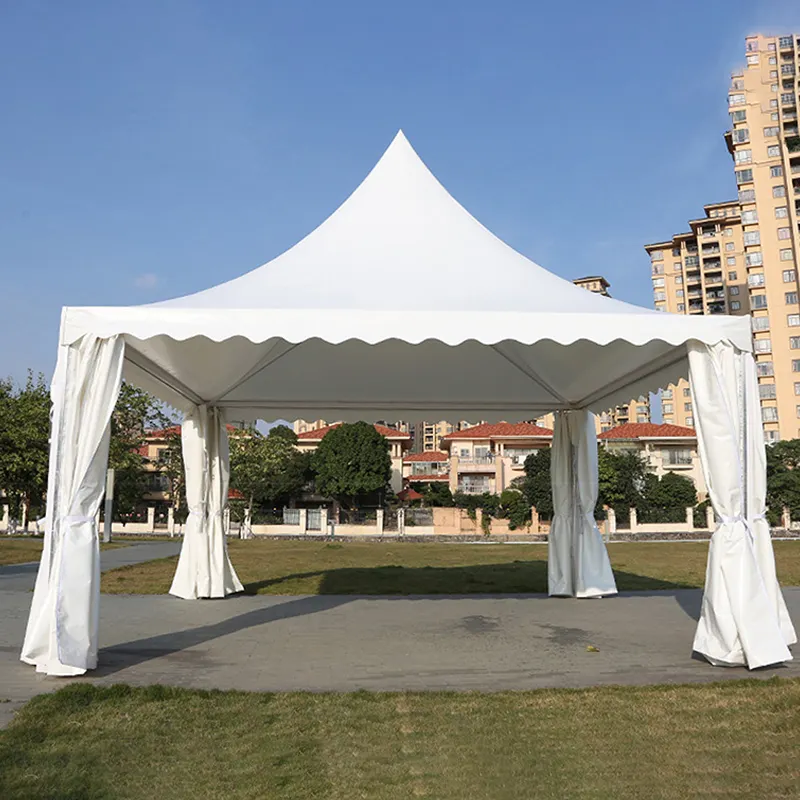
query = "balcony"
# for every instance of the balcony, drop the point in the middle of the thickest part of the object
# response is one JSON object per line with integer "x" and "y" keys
{"x": 793, "y": 144}
{"x": 710, "y": 249}
{"x": 714, "y": 280}
{"x": 715, "y": 294}
{"x": 694, "y": 277}
{"x": 712, "y": 264}
{"x": 716, "y": 308}
{"x": 476, "y": 463}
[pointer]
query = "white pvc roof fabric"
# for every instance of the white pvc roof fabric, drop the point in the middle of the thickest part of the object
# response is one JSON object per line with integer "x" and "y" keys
{"x": 400, "y": 305}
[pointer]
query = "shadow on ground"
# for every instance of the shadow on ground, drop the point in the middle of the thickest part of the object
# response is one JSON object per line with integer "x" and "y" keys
{"x": 523, "y": 580}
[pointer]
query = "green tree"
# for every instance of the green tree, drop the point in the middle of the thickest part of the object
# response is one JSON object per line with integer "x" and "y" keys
{"x": 536, "y": 486}
{"x": 24, "y": 443}
{"x": 434, "y": 493}
{"x": 783, "y": 479}
{"x": 666, "y": 499}
{"x": 352, "y": 460}
{"x": 515, "y": 507}
{"x": 267, "y": 469}
{"x": 621, "y": 479}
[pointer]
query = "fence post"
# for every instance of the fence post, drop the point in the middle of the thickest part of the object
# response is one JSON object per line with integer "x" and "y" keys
{"x": 689, "y": 518}
{"x": 303, "y": 521}
{"x": 379, "y": 521}
{"x": 226, "y": 520}
{"x": 611, "y": 521}
{"x": 244, "y": 531}
{"x": 323, "y": 522}
{"x": 171, "y": 520}
{"x": 6, "y": 526}
{"x": 710, "y": 523}
{"x": 534, "y": 520}
{"x": 401, "y": 521}
{"x": 151, "y": 519}
{"x": 786, "y": 519}
{"x": 634, "y": 521}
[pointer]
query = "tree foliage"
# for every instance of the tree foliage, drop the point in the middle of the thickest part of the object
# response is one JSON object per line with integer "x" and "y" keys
{"x": 621, "y": 479}
{"x": 515, "y": 507}
{"x": 24, "y": 442}
{"x": 267, "y": 469}
{"x": 536, "y": 486}
{"x": 783, "y": 479}
{"x": 352, "y": 460}
{"x": 666, "y": 499}
{"x": 434, "y": 493}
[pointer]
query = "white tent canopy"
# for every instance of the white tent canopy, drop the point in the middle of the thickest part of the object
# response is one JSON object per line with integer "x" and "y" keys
{"x": 399, "y": 305}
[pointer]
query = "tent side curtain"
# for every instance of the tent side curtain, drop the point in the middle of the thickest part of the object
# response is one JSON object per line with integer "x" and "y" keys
{"x": 743, "y": 619}
{"x": 62, "y": 632}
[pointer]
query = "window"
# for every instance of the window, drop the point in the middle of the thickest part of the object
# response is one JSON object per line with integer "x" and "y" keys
{"x": 791, "y": 298}
{"x": 728, "y": 232}
{"x": 692, "y": 261}
{"x": 659, "y": 296}
{"x": 793, "y": 320}
{"x": 787, "y": 99}
{"x": 687, "y": 407}
{"x": 752, "y": 59}
{"x": 760, "y": 323}
{"x": 773, "y": 73}
{"x": 658, "y": 282}
{"x": 657, "y": 256}
{"x": 775, "y": 172}
{"x": 752, "y": 237}
{"x": 677, "y": 266}
{"x": 794, "y": 343}
{"x": 747, "y": 195}
{"x": 678, "y": 280}
{"x": 796, "y": 365}
{"x": 690, "y": 421}
{"x": 732, "y": 276}
{"x": 797, "y": 389}
{"x": 758, "y": 301}
{"x": 774, "y": 116}
{"x": 773, "y": 103}
{"x": 743, "y": 156}
{"x": 773, "y": 151}
{"x": 731, "y": 261}
{"x": 771, "y": 131}
{"x": 786, "y": 255}
{"x": 737, "y": 99}
{"x": 735, "y": 305}
{"x": 667, "y": 408}
{"x": 729, "y": 246}
{"x": 749, "y": 217}
{"x": 755, "y": 259}
{"x": 781, "y": 212}
{"x": 658, "y": 269}
{"x": 677, "y": 458}
{"x": 765, "y": 369}
{"x": 785, "y": 42}
{"x": 779, "y": 191}
{"x": 741, "y": 135}
{"x": 774, "y": 88}
{"x": 679, "y": 293}
{"x": 744, "y": 176}
{"x": 789, "y": 275}
{"x": 734, "y": 290}
{"x": 769, "y": 414}
{"x": 766, "y": 391}
{"x": 681, "y": 307}
{"x": 666, "y": 394}
{"x": 784, "y": 233}
{"x": 755, "y": 279}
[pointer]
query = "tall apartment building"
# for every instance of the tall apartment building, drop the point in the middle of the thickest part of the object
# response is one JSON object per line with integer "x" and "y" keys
{"x": 757, "y": 236}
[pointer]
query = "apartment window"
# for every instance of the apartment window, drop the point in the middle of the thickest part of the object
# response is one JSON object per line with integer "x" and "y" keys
{"x": 676, "y": 251}
{"x": 681, "y": 307}
{"x": 752, "y": 59}
{"x": 773, "y": 103}
{"x": 796, "y": 365}
{"x": 793, "y": 320}
{"x": 731, "y": 261}
{"x": 775, "y": 172}
{"x": 735, "y": 305}
{"x": 742, "y": 135}
{"x": 774, "y": 116}
{"x": 785, "y": 42}
{"x": 758, "y": 301}
{"x": 796, "y": 389}
{"x": 749, "y": 217}
{"x": 774, "y": 88}
{"x": 766, "y": 391}
{"x": 773, "y": 130}
{"x": 658, "y": 282}
{"x": 755, "y": 279}
{"x": 781, "y": 212}
{"x": 734, "y": 290}
{"x": 747, "y": 195}
{"x": 789, "y": 275}
{"x": 765, "y": 369}
{"x": 784, "y": 233}
{"x": 794, "y": 343}
{"x": 678, "y": 280}
{"x": 743, "y": 156}
{"x": 677, "y": 458}
{"x": 729, "y": 246}
{"x": 692, "y": 261}
{"x": 744, "y": 176}
{"x": 737, "y": 99}
{"x": 779, "y": 191}
{"x": 659, "y": 296}
{"x": 667, "y": 408}
{"x": 752, "y": 238}
{"x": 769, "y": 414}
{"x": 787, "y": 99}
{"x": 772, "y": 59}
{"x": 690, "y": 421}
{"x": 657, "y": 256}
{"x": 773, "y": 151}
{"x": 760, "y": 323}
{"x": 679, "y": 293}
{"x": 773, "y": 73}
{"x": 727, "y": 232}
{"x": 658, "y": 269}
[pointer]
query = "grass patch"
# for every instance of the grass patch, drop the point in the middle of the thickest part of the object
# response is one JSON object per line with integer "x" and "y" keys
{"x": 734, "y": 739}
{"x": 297, "y": 567}
{"x": 21, "y": 549}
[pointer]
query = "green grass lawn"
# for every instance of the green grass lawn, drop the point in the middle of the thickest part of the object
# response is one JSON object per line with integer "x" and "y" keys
{"x": 738, "y": 739}
{"x": 21, "y": 549}
{"x": 297, "y": 567}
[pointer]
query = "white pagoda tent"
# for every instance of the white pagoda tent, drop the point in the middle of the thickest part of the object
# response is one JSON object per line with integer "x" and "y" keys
{"x": 329, "y": 329}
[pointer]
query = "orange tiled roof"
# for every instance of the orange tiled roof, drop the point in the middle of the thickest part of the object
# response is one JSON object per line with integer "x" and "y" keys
{"x": 430, "y": 456}
{"x": 319, "y": 434}
{"x": 500, "y": 430}
{"x": 175, "y": 430}
{"x": 647, "y": 430}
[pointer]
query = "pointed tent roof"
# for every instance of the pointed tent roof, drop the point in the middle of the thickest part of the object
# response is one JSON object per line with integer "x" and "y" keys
{"x": 493, "y": 334}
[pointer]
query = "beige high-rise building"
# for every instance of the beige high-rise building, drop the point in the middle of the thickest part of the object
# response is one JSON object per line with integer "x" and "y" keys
{"x": 743, "y": 257}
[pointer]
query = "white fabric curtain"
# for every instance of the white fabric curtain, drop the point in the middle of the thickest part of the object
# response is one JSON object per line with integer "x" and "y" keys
{"x": 743, "y": 620}
{"x": 578, "y": 563}
{"x": 204, "y": 568}
{"x": 62, "y": 633}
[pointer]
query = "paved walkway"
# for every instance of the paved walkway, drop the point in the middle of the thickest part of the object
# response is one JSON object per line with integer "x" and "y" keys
{"x": 343, "y": 643}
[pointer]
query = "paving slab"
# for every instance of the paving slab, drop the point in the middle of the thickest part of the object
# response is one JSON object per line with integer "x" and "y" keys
{"x": 345, "y": 643}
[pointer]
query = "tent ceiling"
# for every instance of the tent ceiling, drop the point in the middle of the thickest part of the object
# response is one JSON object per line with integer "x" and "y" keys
{"x": 400, "y": 304}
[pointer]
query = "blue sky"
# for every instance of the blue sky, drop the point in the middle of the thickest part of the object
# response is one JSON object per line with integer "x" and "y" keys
{"x": 152, "y": 149}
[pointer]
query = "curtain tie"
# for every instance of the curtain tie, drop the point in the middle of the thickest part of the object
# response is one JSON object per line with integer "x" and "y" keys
{"x": 77, "y": 519}
{"x": 199, "y": 510}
